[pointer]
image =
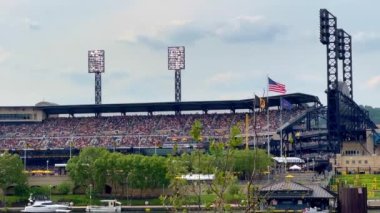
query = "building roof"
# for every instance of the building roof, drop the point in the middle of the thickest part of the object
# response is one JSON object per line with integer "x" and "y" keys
{"x": 320, "y": 192}
{"x": 285, "y": 186}
{"x": 295, "y": 98}
{"x": 288, "y": 160}
{"x": 194, "y": 177}
{"x": 309, "y": 191}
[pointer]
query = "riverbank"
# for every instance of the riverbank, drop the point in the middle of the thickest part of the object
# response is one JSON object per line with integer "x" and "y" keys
{"x": 146, "y": 208}
{"x": 151, "y": 209}
{"x": 373, "y": 204}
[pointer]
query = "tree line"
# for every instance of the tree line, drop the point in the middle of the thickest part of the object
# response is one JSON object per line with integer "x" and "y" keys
{"x": 374, "y": 113}
{"x": 226, "y": 161}
{"x": 95, "y": 167}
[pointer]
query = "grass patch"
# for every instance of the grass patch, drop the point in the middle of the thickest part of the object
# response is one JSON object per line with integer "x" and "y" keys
{"x": 14, "y": 200}
{"x": 371, "y": 181}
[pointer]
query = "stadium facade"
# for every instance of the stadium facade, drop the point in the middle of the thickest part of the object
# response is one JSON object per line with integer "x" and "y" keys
{"x": 54, "y": 132}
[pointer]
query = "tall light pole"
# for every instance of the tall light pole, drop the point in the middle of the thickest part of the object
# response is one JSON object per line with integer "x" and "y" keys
{"x": 25, "y": 147}
{"x": 96, "y": 65}
{"x": 329, "y": 38}
{"x": 70, "y": 143}
{"x": 176, "y": 62}
{"x": 50, "y": 191}
{"x": 47, "y": 165}
{"x": 90, "y": 194}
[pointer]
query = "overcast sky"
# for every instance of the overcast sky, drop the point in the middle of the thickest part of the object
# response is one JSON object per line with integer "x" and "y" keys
{"x": 231, "y": 46}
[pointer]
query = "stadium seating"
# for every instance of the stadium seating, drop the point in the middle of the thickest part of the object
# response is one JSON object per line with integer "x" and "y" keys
{"x": 130, "y": 130}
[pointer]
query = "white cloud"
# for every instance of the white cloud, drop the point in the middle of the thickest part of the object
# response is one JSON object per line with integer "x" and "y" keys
{"x": 310, "y": 77}
{"x": 366, "y": 41}
{"x": 159, "y": 36}
{"x": 179, "y": 22}
{"x": 236, "y": 30}
{"x": 222, "y": 78}
{"x": 374, "y": 82}
{"x": 365, "y": 36}
{"x": 128, "y": 36}
{"x": 234, "y": 95}
{"x": 4, "y": 55}
{"x": 248, "y": 29}
{"x": 32, "y": 25}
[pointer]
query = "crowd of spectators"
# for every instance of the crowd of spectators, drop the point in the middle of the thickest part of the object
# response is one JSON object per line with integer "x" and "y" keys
{"x": 132, "y": 131}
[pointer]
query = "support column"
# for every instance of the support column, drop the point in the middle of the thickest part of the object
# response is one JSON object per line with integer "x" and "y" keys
{"x": 98, "y": 88}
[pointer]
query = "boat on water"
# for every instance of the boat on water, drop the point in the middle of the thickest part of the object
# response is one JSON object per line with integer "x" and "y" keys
{"x": 315, "y": 209}
{"x": 45, "y": 205}
{"x": 107, "y": 206}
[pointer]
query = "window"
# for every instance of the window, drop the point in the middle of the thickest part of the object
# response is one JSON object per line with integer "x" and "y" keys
{"x": 15, "y": 116}
{"x": 366, "y": 162}
{"x": 359, "y": 161}
{"x": 353, "y": 161}
{"x": 347, "y": 162}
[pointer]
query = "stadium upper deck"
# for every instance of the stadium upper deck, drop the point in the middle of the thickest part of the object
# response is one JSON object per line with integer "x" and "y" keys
{"x": 148, "y": 130}
{"x": 246, "y": 104}
{"x": 44, "y": 110}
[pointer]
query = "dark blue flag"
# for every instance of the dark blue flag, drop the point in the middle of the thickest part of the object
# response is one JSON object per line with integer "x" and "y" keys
{"x": 285, "y": 104}
{"x": 376, "y": 138}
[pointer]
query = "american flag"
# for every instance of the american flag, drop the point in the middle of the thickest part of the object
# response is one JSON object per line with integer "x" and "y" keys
{"x": 276, "y": 87}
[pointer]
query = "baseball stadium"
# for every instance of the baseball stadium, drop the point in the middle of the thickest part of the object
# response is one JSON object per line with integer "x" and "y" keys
{"x": 335, "y": 140}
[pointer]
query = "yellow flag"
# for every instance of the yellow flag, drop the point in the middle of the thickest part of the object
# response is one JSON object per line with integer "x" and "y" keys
{"x": 263, "y": 103}
{"x": 290, "y": 139}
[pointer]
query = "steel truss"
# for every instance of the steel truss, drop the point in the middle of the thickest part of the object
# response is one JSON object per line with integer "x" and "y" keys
{"x": 177, "y": 87}
{"x": 345, "y": 54}
{"x": 328, "y": 37}
{"x": 98, "y": 88}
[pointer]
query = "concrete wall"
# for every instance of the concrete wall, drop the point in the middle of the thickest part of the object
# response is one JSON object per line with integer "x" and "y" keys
{"x": 358, "y": 157}
{"x": 35, "y": 114}
{"x": 47, "y": 180}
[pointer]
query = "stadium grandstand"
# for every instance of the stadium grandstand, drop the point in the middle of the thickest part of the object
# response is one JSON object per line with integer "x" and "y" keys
{"x": 54, "y": 132}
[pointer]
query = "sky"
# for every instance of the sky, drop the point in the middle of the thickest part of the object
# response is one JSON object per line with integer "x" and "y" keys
{"x": 231, "y": 48}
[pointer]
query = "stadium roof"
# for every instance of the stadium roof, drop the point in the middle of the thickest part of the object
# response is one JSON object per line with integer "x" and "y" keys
{"x": 295, "y": 98}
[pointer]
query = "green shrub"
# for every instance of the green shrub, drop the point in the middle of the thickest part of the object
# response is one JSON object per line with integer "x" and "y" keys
{"x": 22, "y": 190}
{"x": 64, "y": 188}
{"x": 41, "y": 190}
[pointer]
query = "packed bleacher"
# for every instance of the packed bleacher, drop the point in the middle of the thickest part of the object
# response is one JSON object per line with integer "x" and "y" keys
{"x": 132, "y": 130}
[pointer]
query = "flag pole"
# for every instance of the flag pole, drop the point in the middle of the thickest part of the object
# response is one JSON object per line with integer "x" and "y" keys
{"x": 246, "y": 130}
{"x": 268, "y": 114}
{"x": 281, "y": 127}
{"x": 254, "y": 121}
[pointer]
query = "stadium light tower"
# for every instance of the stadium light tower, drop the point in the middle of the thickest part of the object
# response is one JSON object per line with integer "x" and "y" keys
{"x": 345, "y": 54}
{"x": 329, "y": 37}
{"x": 96, "y": 65}
{"x": 176, "y": 61}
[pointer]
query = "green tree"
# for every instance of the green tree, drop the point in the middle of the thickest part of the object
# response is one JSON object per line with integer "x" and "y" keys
{"x": 176, "y": 167}
{"x": 261, "y": 163}
{"x": 98, "y": 166}
{"x": 126, "y": 169}
{"x": 374, "y": 113}
{"x": 195, "y": 132}
{"x": 246, "y": 161}
{"x": 147, "y": 172}
{"x": 110, "y": 166}
{"x": 86, "y": 168}
{"x": 223, "y": 168}
{"x": 64, "y": 188}
{"x": 11, "y": 172}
